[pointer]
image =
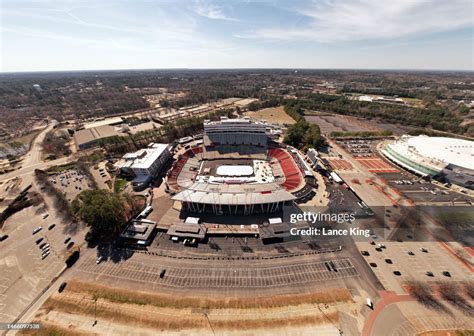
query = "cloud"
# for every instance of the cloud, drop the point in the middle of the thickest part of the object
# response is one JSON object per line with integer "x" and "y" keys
{"x": 212, "y": 12}
{"x": 349, "y": 20}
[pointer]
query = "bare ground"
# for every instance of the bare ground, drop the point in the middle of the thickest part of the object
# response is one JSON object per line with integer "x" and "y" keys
{"x": 144, "y": 312}
{"x": 274, "y": 115}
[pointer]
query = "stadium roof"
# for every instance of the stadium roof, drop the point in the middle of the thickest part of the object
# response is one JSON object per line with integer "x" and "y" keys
{"x": 234, "y": 194}
{"x": 453, "y": 151}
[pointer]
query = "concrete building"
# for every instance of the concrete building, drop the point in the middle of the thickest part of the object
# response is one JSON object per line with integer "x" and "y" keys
{"x": 109, "y": 121}
{"x": 89, "y": 137}
{"x": 139, "y": 232}
{"x": 235, "y": 132}
{"x": 144, "y": 164}
{"x": 149, "y": 161}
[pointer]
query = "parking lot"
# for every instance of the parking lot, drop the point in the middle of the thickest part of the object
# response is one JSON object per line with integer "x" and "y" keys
{"x": 421, "y": 191}
{"x": 24, "y": 274}
{"x": 101, "y": 176}
{"x": 358, "y": 148}
{"x": 70, "y": 182}
{"x": 412, "y": 267}
{"x": 223, "y": 274}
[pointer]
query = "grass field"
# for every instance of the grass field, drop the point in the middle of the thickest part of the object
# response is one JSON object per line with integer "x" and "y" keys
{"x": 119, "y": 184}
{"x": 274, "y": 115}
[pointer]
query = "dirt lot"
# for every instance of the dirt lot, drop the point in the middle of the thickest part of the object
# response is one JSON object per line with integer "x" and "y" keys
{"x": 274, "y": 115}
{"x": 342, "y": 123}
{"x": 120, "y": 311}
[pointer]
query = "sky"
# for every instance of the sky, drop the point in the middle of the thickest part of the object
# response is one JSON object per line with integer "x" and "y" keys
{"x": 43, "y": 35}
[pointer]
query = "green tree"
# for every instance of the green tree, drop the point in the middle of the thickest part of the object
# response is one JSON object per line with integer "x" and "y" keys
{"x": 103, "y": 211}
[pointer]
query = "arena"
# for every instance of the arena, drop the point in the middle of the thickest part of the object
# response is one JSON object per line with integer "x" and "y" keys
{"x": 446, "y": 159}
{"x": 237, "y": 169}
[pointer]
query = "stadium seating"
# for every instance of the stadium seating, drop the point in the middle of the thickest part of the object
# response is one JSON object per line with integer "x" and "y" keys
{"x": 290, "y": 169}
{"x": 174, "y": 172}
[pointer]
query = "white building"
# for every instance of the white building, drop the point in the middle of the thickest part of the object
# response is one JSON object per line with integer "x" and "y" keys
{"x": 149, "y": 161}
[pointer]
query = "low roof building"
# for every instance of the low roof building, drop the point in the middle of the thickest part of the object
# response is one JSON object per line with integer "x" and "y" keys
{"x": 87, "y": 138}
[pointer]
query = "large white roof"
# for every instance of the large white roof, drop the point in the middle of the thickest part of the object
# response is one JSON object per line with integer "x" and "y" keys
{"x": 454, "y": 151}
{"x": 152, "y": 154}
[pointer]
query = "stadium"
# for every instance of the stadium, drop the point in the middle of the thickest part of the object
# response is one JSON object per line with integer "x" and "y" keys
{"x": 237, "y": 169}
{"x": 446, "y": 159}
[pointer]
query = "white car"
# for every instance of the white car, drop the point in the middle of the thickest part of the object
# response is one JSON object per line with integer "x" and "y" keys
{"x": 99, "y": 260}
{"x": 38, "y": 229}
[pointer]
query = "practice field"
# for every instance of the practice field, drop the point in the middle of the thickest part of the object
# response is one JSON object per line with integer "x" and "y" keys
{"x": 273, "y": 115}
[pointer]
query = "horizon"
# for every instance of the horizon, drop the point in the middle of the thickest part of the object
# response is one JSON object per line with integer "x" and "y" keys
{"x": 67, "y": 36}
{"x": 237, "y": 69}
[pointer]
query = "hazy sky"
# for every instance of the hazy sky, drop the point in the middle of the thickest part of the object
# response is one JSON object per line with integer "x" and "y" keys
{"x": 135, "y": 34}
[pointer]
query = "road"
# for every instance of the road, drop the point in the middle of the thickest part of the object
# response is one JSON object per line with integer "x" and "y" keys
{"x": 25, "y": 282}
{"x": 402, "y": 315}
{"x": 33, "y": 160}
{"x": 34, "y": 155}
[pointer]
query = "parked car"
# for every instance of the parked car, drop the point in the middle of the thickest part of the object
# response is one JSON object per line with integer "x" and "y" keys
{"x": 67, "y": 240}
{"x": 38, "y": 229}
{"x": 2, "y": 238}
{"x": 99, "y": 260}
{"x": 51, "y": 226}
{"x": 62, "y": 286}
{"x": 162, "y": 273}
{"x": 447, "y": 274}
{"x": 365, "y": 253}
{"x": 39, "y": 240}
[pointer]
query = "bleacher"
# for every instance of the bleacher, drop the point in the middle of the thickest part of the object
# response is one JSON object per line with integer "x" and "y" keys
{"x": 183, "y": 173}
{"x": 175, "y": 171}
{"x": 290, "y": 170}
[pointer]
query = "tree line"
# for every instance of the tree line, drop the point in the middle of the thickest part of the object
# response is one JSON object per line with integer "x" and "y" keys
{"x": 434, "y": 116}
{"x": 302, "y": 134}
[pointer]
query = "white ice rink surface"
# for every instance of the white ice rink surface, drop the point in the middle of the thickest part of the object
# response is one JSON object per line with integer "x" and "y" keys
{"x": 227, "y": 170}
